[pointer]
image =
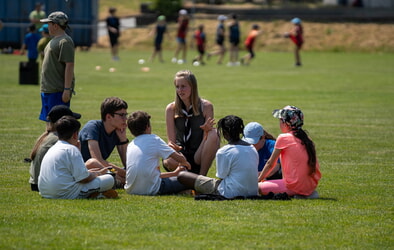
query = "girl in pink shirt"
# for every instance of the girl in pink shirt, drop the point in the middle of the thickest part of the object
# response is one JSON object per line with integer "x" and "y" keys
{"x": 300, "y": 167}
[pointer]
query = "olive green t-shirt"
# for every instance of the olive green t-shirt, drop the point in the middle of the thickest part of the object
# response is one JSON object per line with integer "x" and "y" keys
{"x": 59, "y": 51}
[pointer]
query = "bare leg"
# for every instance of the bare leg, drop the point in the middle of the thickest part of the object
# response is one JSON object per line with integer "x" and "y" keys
{"x": 170, "y": 164}
{"x": 297, "y": 56}
{"x": 160, "y": 54}
{"x": 153, "y": 56}
{"x": 188, "y": 179}
{"x": 206, "y": 152}
{"x": 178, "y": 49}
{"x": 184, "y": 49}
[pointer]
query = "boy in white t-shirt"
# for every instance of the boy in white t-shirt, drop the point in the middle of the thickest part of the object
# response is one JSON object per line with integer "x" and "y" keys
{"x": 63, "y": 173}
{"x": 143, "y": 176}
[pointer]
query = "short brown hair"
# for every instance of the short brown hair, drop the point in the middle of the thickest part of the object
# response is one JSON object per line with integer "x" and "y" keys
{"x": 137, "y": 122}
{"x": 66, "y": 126}
{"x": 110, "y": 105}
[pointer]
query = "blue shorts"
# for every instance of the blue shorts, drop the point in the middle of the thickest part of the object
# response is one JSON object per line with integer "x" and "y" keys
{"x": 49, "y": 100}
{"x": 181, "y": 40}
{"x": 171, "y": 185}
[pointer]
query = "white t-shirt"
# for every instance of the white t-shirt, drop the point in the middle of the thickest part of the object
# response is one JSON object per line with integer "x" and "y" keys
{"x": 143, "y": 156}
{"x": 62, "y": 169}
{"x": 237, "y": 166}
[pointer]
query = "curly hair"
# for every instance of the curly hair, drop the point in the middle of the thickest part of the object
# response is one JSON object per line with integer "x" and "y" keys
{"x": 231, "y": 127}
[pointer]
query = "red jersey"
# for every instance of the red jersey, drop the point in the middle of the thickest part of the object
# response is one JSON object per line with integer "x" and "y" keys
{"x": 251, "y": 38}
{"x": 182, "y": 29}
{"x": 297, "y": 36}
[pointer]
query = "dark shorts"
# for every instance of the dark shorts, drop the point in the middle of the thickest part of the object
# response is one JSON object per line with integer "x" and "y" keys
{"x": 189, "y": 155}
{"x": 113, "y": 38}
{"x": 157, "y": 46}
{"x": 171, "y": 185}
{"x": 181, "y": 40}
{"x": 201, "y": 49}
{"x": 190, "y": 158}
{"x": 251, "y": 52}
{"x": 49, "y": 100}
{"x": 220, "y": 41}
{"x": 234, "y": 41}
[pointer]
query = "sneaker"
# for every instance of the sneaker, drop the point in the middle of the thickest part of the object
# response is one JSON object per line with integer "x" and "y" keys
{"x": 313, "y": 195}
{"x": 174, "y": 60}
{"x": 109, "y": 194}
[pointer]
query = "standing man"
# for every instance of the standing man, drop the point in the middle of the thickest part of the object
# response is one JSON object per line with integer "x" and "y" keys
{"x": 57, "y": 75}
{"x": 234, "y": 39}
{"x": 113, "y": 26}
{"x": 36, "y": 15}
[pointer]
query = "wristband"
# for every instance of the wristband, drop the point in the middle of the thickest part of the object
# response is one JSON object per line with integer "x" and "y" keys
{"x": 124, "y": 142}
{"x": 67, "y": 88}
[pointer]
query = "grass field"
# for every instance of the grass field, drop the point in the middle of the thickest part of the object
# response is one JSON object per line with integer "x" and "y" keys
{"x": 348, "y": 102}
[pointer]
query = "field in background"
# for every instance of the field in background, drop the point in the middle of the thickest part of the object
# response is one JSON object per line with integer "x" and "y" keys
{"x": 348, "y": 103}
{"x": 355, "y": 37}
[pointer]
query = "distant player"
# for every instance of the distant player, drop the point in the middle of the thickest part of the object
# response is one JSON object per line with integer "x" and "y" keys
{"x": 296, "y": 35}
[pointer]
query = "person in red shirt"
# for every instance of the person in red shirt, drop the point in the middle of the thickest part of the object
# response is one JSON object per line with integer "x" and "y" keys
{"x": 183, "y": 25}
{"x": 199, "y": 36}
{"x": 296, "y": 35}
{"x": 249, "y": 43}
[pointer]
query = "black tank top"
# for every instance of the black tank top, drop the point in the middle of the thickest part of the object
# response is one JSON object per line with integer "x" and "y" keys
{"x": 196, "y": 136}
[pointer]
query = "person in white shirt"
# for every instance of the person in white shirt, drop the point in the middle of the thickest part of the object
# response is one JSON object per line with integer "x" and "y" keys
{"x": 143, "y": 176}
{"x": 63, "y": 173}
{"x": 236, "y": 165}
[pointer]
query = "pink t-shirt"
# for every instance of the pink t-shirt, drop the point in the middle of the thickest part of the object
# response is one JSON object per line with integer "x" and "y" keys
{"x": 295, "y": 169}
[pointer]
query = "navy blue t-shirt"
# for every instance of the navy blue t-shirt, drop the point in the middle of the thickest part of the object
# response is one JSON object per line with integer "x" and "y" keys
{"x": 94, "y": 130}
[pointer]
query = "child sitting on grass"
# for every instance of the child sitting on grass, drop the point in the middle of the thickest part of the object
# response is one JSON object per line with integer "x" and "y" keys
{"x": 63, "y": 173}
{"x": 236, "y": 165}
{"x": 300, "y": 167}
{"x": 143, "y": 176}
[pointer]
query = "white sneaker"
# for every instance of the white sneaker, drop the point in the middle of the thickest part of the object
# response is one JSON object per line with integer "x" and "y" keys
{"x": 174, "y": 60}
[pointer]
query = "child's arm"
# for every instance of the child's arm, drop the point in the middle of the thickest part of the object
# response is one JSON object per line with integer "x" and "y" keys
{"x": 183, "y": 164}
{"x": 173, "y": 173}
{"x": 180, "y": 159}
{"x": 270, "y": 164}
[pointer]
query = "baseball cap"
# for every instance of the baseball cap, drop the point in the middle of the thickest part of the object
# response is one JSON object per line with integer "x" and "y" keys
{"x": 61, "y": 110}
{"x": 222, "y": 18}
{"x": 253, "y": 131}
{"x": 57, "y": 17}
{"x": 296, "y": 20}
{"x": 161, "y": 18}
{"x": 291, "y": 115}
{"x": 44, "y": 28}
{"x": 183, "y": 12}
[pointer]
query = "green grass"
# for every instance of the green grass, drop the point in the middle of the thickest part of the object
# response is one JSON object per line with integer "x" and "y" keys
{"x": 347, "y": 99}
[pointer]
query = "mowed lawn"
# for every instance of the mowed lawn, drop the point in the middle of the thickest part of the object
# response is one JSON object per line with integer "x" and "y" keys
{"x": 348, "y": 102}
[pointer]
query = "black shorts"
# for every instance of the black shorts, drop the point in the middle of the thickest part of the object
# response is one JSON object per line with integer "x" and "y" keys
{"x": 190, "y": 158}
{"x": 113, "y": 38}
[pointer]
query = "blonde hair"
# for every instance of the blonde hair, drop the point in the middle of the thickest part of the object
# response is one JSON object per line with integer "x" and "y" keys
{"x": 195, "y": 99}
